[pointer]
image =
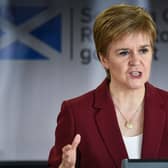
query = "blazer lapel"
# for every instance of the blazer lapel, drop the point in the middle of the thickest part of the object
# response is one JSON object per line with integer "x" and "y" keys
{"x": 107, "y": 124}
{"x": 154, "y": 121}
{"x": 106, "y": 120}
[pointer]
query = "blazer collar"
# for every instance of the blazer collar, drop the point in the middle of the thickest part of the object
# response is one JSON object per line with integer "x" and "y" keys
{"x": 107, "y": 124}
{"x": 109, "y": 129}
{"x": 154, "y": 121}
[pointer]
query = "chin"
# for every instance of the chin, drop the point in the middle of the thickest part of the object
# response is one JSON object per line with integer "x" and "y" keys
{"x": 137, "y": 86}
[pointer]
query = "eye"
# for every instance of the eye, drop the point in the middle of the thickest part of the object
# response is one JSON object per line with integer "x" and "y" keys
{"x": 143, "y": 50}
{"x": 124, "y": 53}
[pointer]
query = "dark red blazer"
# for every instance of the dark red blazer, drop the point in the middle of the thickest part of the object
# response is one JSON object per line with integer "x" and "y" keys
{"x": 93, "y": 117}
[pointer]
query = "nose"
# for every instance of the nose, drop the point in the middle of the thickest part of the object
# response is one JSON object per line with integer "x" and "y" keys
{"x": 134, "y": 60}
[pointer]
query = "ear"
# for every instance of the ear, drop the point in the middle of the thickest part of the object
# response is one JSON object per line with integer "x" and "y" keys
{"x": 104, "y": 61}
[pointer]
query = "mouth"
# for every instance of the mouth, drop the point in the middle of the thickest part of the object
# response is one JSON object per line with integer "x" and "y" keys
{"x": 135, "y": 74}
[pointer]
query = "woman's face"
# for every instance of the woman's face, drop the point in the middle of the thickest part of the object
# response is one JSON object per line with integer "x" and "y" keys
{"x": 129, "y": 61}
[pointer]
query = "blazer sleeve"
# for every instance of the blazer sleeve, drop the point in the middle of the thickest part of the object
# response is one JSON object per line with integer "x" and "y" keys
{"x": 64, "y": 134}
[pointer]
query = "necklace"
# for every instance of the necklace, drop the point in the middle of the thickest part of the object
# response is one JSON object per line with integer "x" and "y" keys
{"x": 128, "y": 122}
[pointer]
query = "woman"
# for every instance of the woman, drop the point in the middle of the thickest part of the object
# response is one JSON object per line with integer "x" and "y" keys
{"x": 124, "y": 117}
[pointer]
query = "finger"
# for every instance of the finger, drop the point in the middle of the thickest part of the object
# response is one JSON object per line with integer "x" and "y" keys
{"x": 66, "y": 148}
{"x": 76, "y": 141}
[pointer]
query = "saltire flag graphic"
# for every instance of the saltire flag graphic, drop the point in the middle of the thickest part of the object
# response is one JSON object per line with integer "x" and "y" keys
{"x": 29, "y": 32}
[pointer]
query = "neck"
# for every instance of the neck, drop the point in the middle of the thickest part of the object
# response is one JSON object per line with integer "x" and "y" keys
{"x": 127, "y": 99}
{"x": 128, "y": 104}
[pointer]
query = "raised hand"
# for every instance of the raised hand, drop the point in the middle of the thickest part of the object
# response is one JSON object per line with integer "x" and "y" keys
{"x": 69, "y": 153}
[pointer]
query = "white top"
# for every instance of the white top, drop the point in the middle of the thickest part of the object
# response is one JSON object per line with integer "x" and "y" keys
{"x": 133, "y": 145}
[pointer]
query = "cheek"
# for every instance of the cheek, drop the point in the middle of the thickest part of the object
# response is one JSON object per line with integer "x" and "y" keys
{"x": 148, "y": 68}
{"x": 148, "y": 64}
{"x": 116, "y": 68}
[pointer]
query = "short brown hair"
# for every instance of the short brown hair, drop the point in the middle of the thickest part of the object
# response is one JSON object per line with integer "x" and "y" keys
{"x": 119, "y": 20}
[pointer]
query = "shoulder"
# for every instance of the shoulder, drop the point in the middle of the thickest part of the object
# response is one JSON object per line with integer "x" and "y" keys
{"x": 81, "y": 99}
{"x": 154, "y": 90}
{"x": 78, "y": 107}
{"x": 91, "y": 97}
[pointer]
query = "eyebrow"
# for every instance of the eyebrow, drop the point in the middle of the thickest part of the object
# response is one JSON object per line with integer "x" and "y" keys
{"x": 147, "y": 45}
{"x": 142, "y": 46}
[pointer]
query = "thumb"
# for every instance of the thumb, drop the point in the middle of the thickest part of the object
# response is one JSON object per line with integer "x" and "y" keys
{"x": 76, "y": 141}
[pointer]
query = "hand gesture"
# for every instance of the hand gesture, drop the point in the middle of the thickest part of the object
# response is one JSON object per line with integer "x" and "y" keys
{"x": 69, "y": 153}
